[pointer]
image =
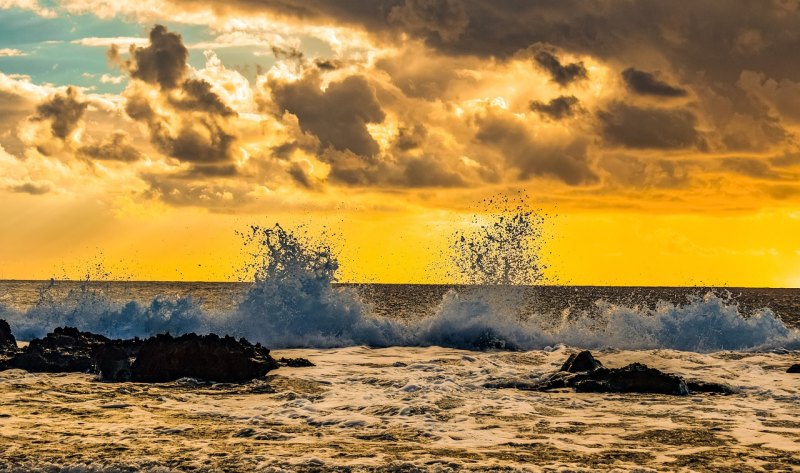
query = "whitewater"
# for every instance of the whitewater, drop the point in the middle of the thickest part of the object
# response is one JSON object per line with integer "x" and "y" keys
{"x": 400, "y": 382}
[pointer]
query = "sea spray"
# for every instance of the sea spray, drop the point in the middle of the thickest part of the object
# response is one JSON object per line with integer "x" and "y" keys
{"x": 292, "y": 301}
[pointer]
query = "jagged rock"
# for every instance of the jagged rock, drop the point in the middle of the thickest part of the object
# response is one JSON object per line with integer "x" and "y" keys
{"x": 579, "y": 362}
{"x": 64, "y": 350}
{"x": 7, "y": 341}
{"x": 112, "y": 362}
{"x": 295, "y": 362}
{"x": 795, "y": 368}
{"x": 634, "y": 378}
{"x": 165, "y": 358}
{"x": 585, "y": 374}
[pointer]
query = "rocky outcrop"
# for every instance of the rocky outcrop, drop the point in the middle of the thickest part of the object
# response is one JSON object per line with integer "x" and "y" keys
{"x": 795, "y": 368}
{"x": 64, "y": 350}
{"x": 156, "y": 359}
{"x": 583, "y": 373}
{"x": 207, "y": 357}
{"x": 295, "y": 362}
{"x": 8, "y": 344}
{"x": 579, "y": 362}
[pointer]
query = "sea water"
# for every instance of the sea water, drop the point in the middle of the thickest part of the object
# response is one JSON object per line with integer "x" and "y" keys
{"x": 400, "y": 372}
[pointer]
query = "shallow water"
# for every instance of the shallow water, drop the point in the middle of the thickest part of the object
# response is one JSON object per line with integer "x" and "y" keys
{"x": 408, "y": 409}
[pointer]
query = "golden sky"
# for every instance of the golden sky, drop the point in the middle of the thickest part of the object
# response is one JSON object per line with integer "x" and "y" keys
{"x": 660, "y": 138}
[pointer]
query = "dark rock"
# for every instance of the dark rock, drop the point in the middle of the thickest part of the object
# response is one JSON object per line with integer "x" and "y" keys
{"x": 113, "y": 361}
{"x": 634, "y": 378}
{"x": 8, "y": 344}
{"x": 295, "y": 362}
{"x": 795, "y": 368}
{"x": 64, "y": 350}
{"x": 165, "y": 358}
{"x": 579, "y": 362}
{"x": 707, "y": 387}
{"x": 585, "y": 374}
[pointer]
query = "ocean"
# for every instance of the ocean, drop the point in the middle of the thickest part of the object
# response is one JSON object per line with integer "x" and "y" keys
{"x": 404, "y": 374}
{"x": 400, "y": 375}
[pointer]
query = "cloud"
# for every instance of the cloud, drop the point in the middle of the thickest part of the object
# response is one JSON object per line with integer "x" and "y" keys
{"x": 185, "y": 117}
{"x": 446, "y": 18}
{"x": 31, "y": 188}
{"x": 567, "y": 161}
{"x": 10, "y": 52}
{"x": 558, "y": 108}
{"x": 656, "y": 128}
{"x": 337, "y": 116}
{"x": 106, "y": 42}
{"x": 64, "y": 111}
{"x": 562, "y": 74}
{"x": 118, "y": 148}
{"x": 648, "y": 83}
{"x": 162, "y": 61}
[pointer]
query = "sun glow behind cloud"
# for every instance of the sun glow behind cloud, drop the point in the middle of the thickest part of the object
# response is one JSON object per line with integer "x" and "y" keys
{"x": 660, "y": 164}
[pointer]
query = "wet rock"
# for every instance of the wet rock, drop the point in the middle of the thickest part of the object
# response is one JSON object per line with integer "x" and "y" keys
{"x": 634, "y": 378}
{"x": 584, "y": 373}
{"x": 795, "y": 368}
{"x": 295, "y": 362}
{"x": 112, "y": 362}
{"x": 209, "y": 357}
{"x": 579, "y": 362}
{"x": 8, "y": 344}
{"x": 64, "y": 350}
{"x": 708, "y": 387}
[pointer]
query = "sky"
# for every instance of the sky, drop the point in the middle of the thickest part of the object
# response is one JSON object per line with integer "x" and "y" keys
{"x": 658, "y": 138}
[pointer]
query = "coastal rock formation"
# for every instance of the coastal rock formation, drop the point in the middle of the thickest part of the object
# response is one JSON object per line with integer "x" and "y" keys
{"x": 207, "y": 357}
{"x": 156, "y": 359}
{"x": 8, "y": 344}
{"x": 580, "y": 362}
{"x": 64, "y": 350}
{"x": 795, "y": 368}
{"x": 583, "y": 373}
{"x": 295, "y": 362}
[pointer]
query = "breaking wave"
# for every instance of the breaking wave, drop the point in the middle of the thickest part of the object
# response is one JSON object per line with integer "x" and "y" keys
{"x": 293, "y": 302}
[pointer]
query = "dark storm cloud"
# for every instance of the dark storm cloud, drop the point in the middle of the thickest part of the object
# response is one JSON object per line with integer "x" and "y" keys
{"x": 445, "y": 18}
{"x": 647, "y": 83}
{"x": 162, "y": 62}
{"x": 557, "y": 108}
{"x": 64, "y": 111}
{"x": 338, "y": 117}
{"x": 657, "y": 128}
{"x": 118, "y": 148}
{"x": 562, "y": 74}
{"x": 567, "y": 161}
{"x": 192, "y": 122}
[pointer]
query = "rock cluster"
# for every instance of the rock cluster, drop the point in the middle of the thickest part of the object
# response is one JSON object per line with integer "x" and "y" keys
{"x": 156, "y": 359}
{"x": 583, "y": 373}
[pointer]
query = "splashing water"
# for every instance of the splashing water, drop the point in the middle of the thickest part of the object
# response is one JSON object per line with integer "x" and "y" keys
{"x": 503, "y": 251}
{"x": 293, "y": 302}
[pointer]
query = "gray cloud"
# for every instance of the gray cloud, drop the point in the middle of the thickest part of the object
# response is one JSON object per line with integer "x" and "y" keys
{"x": 162, "y": 62}
{"x": 445, "y": 18}
{"x": 63, "y": 111}
{"x": 657, "y": 128}
{"x": 557, "y": 108}
{"x": 567, "y": 162}
{"x": 647, "y": 83}
{"x": 118, "y": 148}
{"x": 338, "y": 117}
{"x": 562, "y": 74}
